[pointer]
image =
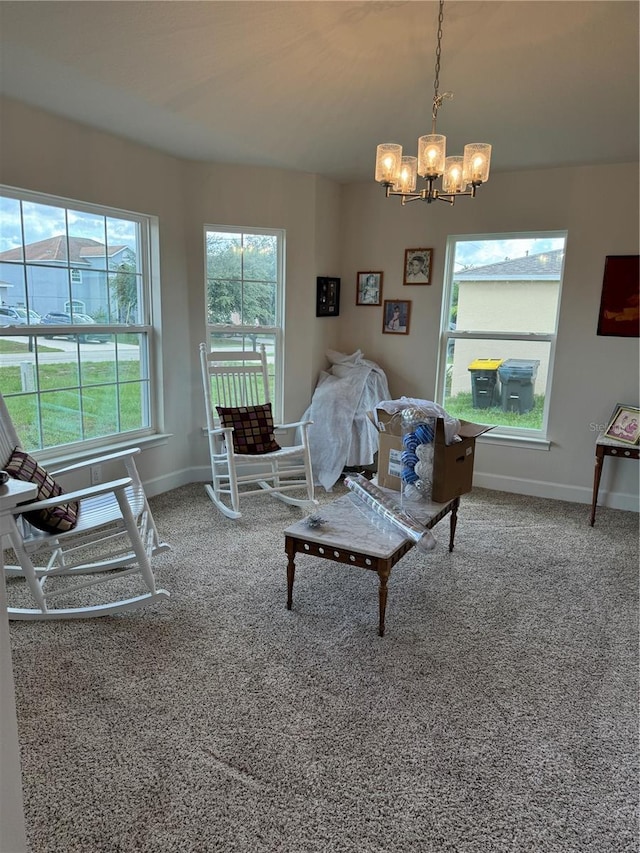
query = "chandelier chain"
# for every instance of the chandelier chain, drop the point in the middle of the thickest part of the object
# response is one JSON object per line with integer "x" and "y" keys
{"x": 437, "y": 98}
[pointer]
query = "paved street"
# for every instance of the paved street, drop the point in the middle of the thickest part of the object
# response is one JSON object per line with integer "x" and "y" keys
{"x": 67, "y": 351}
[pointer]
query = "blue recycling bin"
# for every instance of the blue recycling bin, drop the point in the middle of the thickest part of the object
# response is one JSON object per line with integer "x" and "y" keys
{"x": 517, "y": 379}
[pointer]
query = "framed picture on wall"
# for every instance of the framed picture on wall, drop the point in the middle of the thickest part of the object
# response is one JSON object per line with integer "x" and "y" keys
{"x": 624, "y": 424}
{"x": 396, "y": 313}
{"x": 369, "y": 288}
{"x": 620, "y": 300}
{"x": 417, "y": 266}
{"x": 327, "y": 296}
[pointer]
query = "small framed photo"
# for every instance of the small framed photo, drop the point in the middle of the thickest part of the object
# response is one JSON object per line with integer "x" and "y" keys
{"x": 396, "y": 313}
{"x": 624, "y": 424}
{"x": 369, "y": 288}
{"x": 417, "y": 266}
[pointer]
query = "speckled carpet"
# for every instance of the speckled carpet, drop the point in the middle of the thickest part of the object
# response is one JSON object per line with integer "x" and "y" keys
{"x": 499, "y": 712}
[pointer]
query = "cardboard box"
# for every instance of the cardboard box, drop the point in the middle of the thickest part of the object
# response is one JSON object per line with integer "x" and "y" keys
{"x": 452, "y": 464}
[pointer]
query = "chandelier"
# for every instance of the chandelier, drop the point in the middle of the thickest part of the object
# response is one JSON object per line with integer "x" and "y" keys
{"x": 460, "y": 175}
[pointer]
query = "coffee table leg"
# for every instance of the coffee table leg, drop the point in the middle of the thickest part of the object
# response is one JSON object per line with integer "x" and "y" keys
{"x": 453, "y": 522}
{"x": 291, "y": 571}
{"x": 382, "y": 596}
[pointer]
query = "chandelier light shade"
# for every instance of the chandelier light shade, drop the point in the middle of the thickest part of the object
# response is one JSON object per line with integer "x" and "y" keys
{"x": 406, "y": 180}
{"x": 461, "y": 175}
{"x": 432, "y": 151}
{"x": 388, "y": 161}
{"x": 453, "y": 179}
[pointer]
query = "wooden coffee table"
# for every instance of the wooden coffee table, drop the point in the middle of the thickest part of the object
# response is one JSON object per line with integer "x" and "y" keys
{"x": 357, "y": 536}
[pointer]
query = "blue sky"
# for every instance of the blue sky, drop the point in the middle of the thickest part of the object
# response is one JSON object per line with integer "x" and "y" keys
{"x": 41, "y": 221}
{"x": 478, "y": 251}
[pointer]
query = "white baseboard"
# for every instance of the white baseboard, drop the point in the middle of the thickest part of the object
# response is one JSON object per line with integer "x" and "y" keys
{"x": 533, "y": 488}
{"x": 556, "y": 491}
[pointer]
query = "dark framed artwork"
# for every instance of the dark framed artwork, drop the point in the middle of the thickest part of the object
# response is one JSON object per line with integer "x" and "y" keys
{"x": 624, "y": 424}
{"x": 396, "y": 314}
{"x": 620, "y": 300}
{"x": 369, "y": 288}
{"x": 327, "y": 296}
{"x": 417, "y": 266}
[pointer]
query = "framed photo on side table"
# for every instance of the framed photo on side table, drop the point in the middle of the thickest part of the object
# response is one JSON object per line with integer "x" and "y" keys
{"x": 624, "y": 424}
{"x": 417, "y": 266}
{"x": 396, "y": 313}
{"x": 369, "y": 288}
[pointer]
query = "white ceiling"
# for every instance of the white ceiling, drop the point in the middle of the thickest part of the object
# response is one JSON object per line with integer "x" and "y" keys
{"x": 315, "y": 86}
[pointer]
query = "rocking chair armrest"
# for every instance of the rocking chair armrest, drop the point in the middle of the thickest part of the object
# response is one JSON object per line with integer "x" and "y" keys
{"x": 294, "y": 424}
{"x": 226, "y": 431}
{"x": 97, "y": 460}
{"x": 79, "y": 494}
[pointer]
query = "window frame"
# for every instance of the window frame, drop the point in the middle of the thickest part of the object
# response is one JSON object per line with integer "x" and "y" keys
{"x": 277, "y": 330}
{"x": 509, "y": 434}
{"x": 147, "y": 231}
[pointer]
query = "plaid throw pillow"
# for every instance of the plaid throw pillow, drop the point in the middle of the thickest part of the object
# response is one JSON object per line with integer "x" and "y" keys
{"x": 252, "y": 428}
{"x": 57, "y": 519}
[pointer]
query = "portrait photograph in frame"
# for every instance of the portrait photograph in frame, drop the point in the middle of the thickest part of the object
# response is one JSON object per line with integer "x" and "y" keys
{"x": 369, "y": 288}
{"x": 620, "y": 300}
{"x": 624, "y": 424}
{"x": 396, "y": 315}
{"x": 417, "y": 266}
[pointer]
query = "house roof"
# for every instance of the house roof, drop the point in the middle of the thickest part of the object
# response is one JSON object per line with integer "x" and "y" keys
{"x": 544, "y": 266}
{"x": 316, "y": 86}
{"x": 55, "y": 249}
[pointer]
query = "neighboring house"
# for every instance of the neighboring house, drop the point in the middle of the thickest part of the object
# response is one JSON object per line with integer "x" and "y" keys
{"x": 519, "y": 295}
{"x": 62, "y": 272}
{"x": 5, "y": 297}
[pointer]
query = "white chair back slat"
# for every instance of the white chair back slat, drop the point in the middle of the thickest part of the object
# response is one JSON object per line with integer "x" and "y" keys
{"x": 235, "y": 379}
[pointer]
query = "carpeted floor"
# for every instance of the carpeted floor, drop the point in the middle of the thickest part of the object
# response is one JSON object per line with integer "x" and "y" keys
{"x": 499, "y": 712}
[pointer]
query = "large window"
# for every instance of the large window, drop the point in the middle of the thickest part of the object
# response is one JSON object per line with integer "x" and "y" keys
{"x": 245, "y": 295}
{"x": 76, "y": 323}
{"x": 498, "y": 334}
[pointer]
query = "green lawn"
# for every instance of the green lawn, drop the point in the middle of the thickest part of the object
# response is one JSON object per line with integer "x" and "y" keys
{"x": 18, "y": 346}
{"x": 67, "y": 415}
{"x": 461, "y": 406}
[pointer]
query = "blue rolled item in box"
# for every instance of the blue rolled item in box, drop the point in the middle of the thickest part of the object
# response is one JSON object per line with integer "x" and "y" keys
{"x": 424, "y": 434}
{"x": 409, "y": 458}
{"x": 410, "y": 440}
{"x": 409, "y": 475}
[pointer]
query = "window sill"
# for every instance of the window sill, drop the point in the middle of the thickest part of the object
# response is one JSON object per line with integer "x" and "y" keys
{"x": 526, "y": 442}
{"x": 79, "y": 455}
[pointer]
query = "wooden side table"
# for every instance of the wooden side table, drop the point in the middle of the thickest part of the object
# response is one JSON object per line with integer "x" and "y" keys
{"x": 353, "y": 534}
{"x": 608, "y": 447}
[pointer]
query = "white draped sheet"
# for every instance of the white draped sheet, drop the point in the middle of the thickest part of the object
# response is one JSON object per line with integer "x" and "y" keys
{"x": 342, "y": 434}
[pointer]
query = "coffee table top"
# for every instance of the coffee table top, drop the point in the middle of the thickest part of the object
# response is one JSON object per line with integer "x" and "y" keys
{"x": 351, "y": 524}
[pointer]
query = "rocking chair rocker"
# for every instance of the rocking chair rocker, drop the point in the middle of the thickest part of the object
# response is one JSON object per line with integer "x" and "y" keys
{"x": 242, "y": 445}
{"x": 107, "y": 533}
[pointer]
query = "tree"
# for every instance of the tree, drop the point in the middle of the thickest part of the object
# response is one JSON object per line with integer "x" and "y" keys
{"x": 241, "y": 278}
{"x": 124, "y": 294}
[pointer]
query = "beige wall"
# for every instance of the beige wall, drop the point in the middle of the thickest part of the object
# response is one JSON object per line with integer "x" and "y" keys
{"x": 334, "y": 230}
{"x": 515, "y": 306}
{"x": 591, "y": 373}
{"x": 47, "y": 154}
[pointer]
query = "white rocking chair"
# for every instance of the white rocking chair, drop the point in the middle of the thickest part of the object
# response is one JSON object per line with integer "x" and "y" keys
{"x": 237, "y": 381}
{"x": 115, "y": 536}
